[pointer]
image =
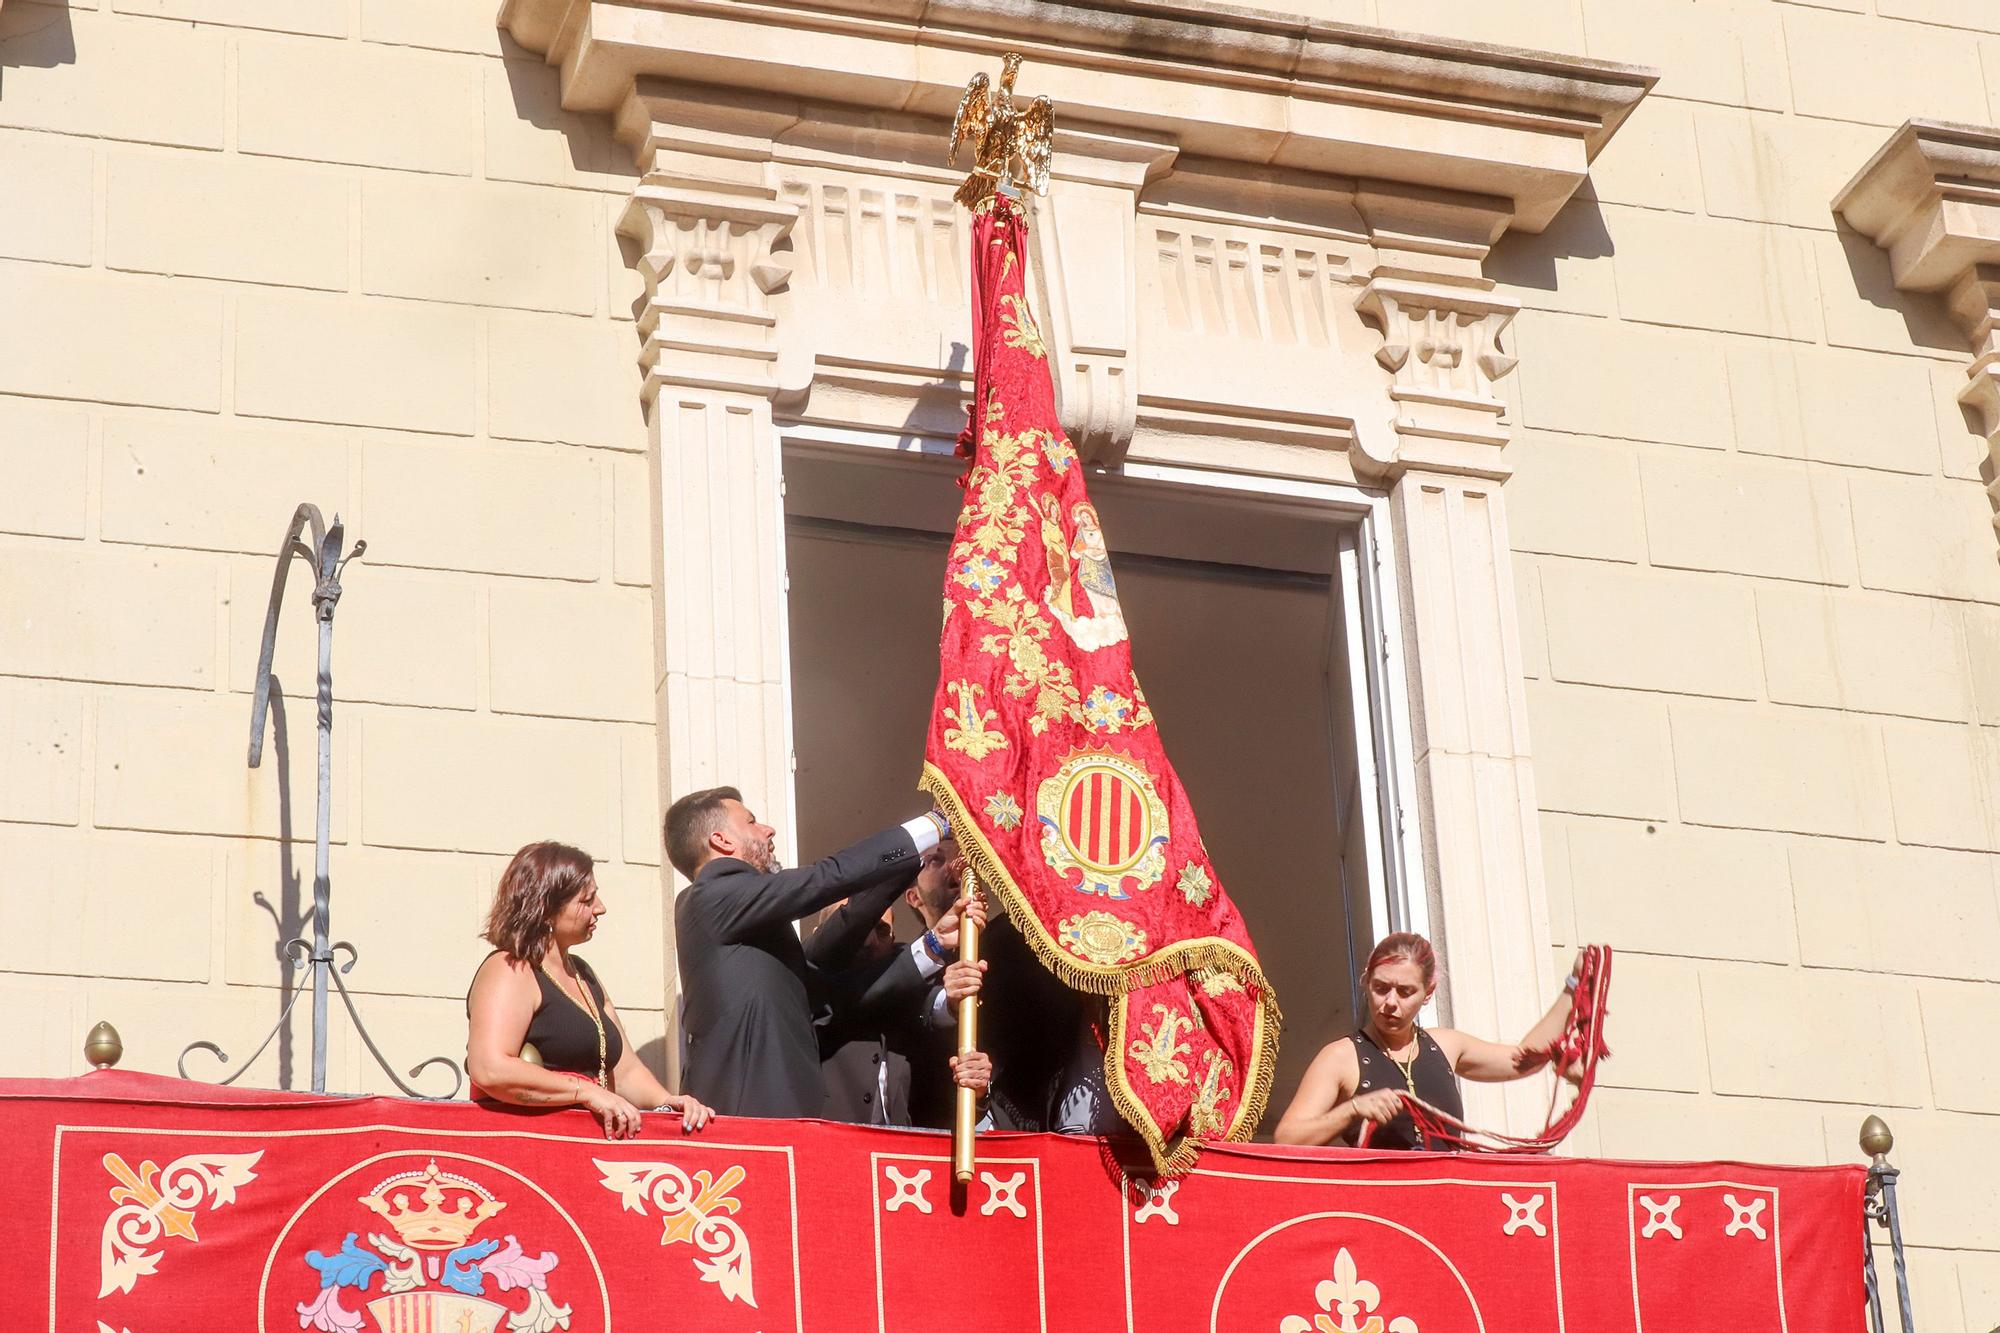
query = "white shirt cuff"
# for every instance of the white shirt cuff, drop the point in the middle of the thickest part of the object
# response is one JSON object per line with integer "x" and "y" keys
{"x": 927, "y": 966}
{"x": 923, "y": 831}
{"x": 942, "y": 1015}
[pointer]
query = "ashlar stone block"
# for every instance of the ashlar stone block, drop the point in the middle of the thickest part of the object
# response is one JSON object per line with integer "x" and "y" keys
{"x": 1929, "y": 536}
{"x": 1789, "y": 769}
{"x": 402, "y": 636}
{"x": 414, "y": 917}
{"x": 571, "y": 380}
{"x": 56, "y": 229}
{"x": 1659, "y": 1024}
{"x": 52, "y": 343}
{"x": 1652, "y": 161}
{"x": 446, "y": 783}
{"x": 324, "y": 18}
{"x": 403, "y": 365}
{"x": 1847, "y": 1037}
{"x": 99, "y": 613}
{"x": 174, "y": 762}
{"x": 209, "y": 215}
{"x": 41, "y": 750}
{"x": 639, "y": 792}
{"x": 560, "y": 650}
{"x": 175, "y": 480}
{"x": 1960, "y": 1018}
{"x": 51, "y": 443}
{"x": 1833, "y": 406}
{"x": 1731, "y": 52}
{"x": 1601, "y": 752}
{"x": 479, "y": 243}
{"x": 70, "y": 896}
{"x": 1680, "y": 890}
{"x": 1739, "y": 515}
{"x": 1593, "y": 377}
{"x": 444, "y": 25}
{"x": 1637, "y": 629}
{"x": 1856, "y": 68}
{"x": 76, "y": 72}
{"x": 1576, "y": 497}
{"x": 358, "y": 102}
{"x": 1861, "y": 651}
{"x": 1910, "y": 910}
{"x": 1944, "y": 780}
{"x": 1652, "y": 1126}
{"x": 1751, "y": 279}
{"x": 508, "y": 509}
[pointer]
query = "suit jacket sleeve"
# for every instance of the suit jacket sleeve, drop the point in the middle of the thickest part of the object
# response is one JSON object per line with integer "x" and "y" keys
{"x": 833, "y": 945}
{"x": 741, "y": 910}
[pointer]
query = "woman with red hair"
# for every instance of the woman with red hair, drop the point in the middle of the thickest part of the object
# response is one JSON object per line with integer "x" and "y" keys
{"x": 534, "y": 989}
{"x": 1361, "y": 1079}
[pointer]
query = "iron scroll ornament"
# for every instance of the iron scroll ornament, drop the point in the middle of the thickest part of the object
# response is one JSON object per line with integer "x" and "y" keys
{"x": 323, "y": 555}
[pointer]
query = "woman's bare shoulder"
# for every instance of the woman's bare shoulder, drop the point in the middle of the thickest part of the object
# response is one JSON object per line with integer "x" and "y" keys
{"x": 504, "y": 971}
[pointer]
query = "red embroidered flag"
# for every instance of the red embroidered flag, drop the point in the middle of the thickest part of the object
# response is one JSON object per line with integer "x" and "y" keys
{"x": 1044, "y": 754}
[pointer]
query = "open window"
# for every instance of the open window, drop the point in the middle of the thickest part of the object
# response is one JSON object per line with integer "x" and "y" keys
{"x": 1264, "y": 630}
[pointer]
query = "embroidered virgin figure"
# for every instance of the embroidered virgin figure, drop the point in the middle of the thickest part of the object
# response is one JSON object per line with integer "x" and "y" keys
{"x": 1081, "y": 591}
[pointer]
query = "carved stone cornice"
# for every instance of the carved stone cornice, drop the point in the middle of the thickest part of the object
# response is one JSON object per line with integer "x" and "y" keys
{"x": 1930, "y": 198}
{"x": 1222, "y": 83}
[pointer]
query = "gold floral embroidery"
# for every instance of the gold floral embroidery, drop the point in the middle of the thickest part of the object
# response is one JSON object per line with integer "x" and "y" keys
{"x": 1159, "y": 1050}
{"x": 1032, "y": 672}
{"x": 1021, "y": 331}
{"x": 1205, "y": 1118}
{"x": 971, "y": 736}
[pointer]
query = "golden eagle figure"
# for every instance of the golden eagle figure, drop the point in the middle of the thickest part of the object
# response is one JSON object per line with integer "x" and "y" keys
{"x": 1009, "y": 145}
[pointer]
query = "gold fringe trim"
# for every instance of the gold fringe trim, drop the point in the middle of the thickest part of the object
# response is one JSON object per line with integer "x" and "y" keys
{"x": 1173, "y": 1156}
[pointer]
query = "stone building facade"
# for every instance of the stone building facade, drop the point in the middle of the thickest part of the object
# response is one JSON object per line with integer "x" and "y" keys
{"x": 1629, "y": 367}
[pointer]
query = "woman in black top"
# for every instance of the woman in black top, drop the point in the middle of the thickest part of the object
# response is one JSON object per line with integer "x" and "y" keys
{"x": 1358, "y": 1078}
{"x": 533, "y": 988}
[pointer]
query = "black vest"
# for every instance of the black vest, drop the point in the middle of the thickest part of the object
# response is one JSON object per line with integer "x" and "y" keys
{"x": 1436, "y": 1085}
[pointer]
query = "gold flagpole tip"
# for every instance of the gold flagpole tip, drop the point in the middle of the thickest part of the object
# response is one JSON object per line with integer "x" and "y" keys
{"x": 1876, "y": 1140}
{"x": 1011, "y": 145}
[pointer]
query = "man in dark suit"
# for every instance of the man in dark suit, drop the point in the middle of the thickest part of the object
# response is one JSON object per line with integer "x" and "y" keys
{"x": 878, "y": 1004}
{"x": 750, "y": 1043}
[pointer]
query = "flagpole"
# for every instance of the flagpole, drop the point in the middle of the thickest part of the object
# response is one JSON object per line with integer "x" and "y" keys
{"x": 965, "y": 1108}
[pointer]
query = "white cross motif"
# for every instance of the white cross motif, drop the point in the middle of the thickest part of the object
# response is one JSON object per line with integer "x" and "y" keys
{"x": 1158, "y": 1202}
{"x": 909, "y": 1190}
{"x": 1662, "y": 1218}
{"x": 1524, "y": 1214}
{"x": 1746, "y": 1217}
{"x": 1000, "y": 1194}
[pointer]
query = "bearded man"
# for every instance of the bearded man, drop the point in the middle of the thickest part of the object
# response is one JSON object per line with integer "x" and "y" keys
{"x": 750, "y": 1043}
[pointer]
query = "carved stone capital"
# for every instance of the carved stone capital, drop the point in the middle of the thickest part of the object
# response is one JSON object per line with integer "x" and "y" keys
{"x": 711, "y": 265}
{"x": 1444, "y": 345}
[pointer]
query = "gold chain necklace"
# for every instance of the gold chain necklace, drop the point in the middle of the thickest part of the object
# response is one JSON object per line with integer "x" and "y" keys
{"x": 589, "y": 1007}
{"x": 1409, "y": 1066}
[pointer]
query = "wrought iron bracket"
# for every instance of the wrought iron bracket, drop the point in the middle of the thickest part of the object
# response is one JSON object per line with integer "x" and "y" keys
{"x": 324, "y": 556}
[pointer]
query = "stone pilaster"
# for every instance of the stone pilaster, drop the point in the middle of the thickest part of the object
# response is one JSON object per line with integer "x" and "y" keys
{"x": 1443, "y": 332}
{"x": 1930, "y": 198}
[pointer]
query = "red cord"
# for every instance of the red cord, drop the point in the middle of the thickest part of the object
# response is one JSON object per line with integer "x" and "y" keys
{"x": 1580, "y": 1047}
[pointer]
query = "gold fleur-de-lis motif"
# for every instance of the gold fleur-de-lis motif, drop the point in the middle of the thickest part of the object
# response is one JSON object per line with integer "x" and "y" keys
{"x": 971, "y": 736}
{"x": 1350, "y": 1296}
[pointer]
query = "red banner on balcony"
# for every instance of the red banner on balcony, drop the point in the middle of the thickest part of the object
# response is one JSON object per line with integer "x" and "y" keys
{"x": 133, "y": 1209}
{"x": 1044, "y": 753}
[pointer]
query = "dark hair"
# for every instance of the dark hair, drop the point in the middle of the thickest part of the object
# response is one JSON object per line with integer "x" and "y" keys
{"x": 1403, "y": 944}
{"x": 688, "y": 823}
{"x": 536, "y": 885}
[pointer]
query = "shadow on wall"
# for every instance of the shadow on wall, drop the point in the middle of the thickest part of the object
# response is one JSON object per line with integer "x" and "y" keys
{"x": 34, "y": 36}
{"x": 1924, "y": 316}
{"x": 1521, "y": 260}
{"x": 536, "y": 88}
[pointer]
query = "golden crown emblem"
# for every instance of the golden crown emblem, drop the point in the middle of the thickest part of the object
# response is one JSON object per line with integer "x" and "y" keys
{"x": 434, "y": 1226}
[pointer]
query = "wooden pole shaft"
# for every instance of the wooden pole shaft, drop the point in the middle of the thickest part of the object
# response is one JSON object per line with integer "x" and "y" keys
{"x": 965, "y": 1107}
